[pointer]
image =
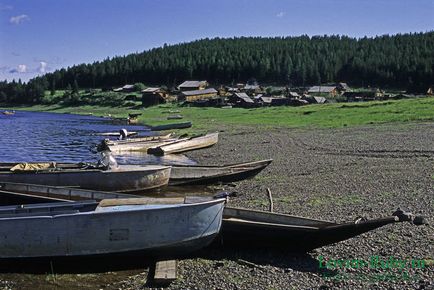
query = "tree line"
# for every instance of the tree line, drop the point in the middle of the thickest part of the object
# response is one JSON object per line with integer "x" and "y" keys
{"x": 404, "y": 61}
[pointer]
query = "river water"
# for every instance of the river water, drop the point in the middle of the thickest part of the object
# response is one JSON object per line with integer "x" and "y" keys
{"x": 37, "y": 137}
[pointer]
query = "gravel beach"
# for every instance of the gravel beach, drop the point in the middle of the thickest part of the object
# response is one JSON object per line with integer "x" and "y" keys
{"x": 332, "y": 174}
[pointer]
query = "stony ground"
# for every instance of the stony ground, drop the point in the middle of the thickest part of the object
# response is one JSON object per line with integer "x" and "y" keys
{"x": 332, "y": 174}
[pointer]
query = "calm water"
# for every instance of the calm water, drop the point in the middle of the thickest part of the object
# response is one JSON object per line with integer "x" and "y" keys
{"x": 34, "y": 136}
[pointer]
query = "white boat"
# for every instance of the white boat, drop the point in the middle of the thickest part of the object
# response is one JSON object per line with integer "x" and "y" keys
{"x": 185, "y": 144}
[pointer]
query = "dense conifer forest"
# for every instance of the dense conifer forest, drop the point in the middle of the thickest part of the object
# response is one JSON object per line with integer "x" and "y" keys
{"x": 404, "y": 61}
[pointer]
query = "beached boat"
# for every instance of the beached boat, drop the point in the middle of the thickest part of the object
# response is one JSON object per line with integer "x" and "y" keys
{"x": 116, "y": 134}
{"x": 110, "y": 227}
{"x": 199, "y": 174}
{"x": 251, "y": 228}
{"x": 185, "y": 144}
{"x": 171, "y": 126}
{"x": 241, "y": 227}
{"x": 123, "y": 178}
{"x": 139, "y": 143}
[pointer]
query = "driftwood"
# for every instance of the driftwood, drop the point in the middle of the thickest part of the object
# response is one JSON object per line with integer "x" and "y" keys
{"x": 165, "y": 272}
{"x": 270, "y": 198}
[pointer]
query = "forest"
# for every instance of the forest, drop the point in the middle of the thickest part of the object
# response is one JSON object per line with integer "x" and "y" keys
{"x": 402, "y": 61}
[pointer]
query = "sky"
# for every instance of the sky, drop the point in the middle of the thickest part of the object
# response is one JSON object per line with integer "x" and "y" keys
{"x": 40, "y": 36}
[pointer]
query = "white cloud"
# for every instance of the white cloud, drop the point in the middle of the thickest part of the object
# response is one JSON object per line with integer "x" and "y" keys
{"x": 280, "y": 14}
{"x": 42, "y": 67}
{"x": 21, "y": 68}
{"x": 4, "y": 7}
{"x": 19, "y": 19}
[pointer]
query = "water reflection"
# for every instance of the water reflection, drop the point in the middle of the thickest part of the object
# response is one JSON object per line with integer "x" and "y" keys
{"x": 35, "y": 137}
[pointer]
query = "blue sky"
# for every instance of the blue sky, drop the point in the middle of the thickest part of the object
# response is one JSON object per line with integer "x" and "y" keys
{"x": 38, "y": 36}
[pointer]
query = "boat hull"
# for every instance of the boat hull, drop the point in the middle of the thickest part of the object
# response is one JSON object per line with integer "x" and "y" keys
{"x": 202, "y": 175}
{"x": 165, "y": 230}
{"x": 257, "y": 229}
{"x": 185, "y": 145}
{"x": 139, "y": 144}
{"x": 127, "y": 178}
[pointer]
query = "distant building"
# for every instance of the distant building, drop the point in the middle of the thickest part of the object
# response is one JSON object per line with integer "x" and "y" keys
{"x": 314, "y": 99}
{"x": 263, "y": 100}
{"x": 331, "y": 90}
{"x": 252, "y": 88}
{"x": 364, "y": 96}
{"x": 279, "y": 101}
{"x": 125, "y": 89}
{"x": 430, "y": 90}
{"x": 153, "y": 96}
{"x": 191, "y": 96}
{"x": 241, "y": 100}
{"x": 343, "y": 87}
{"x": 293, "y": 95}
{"x": 193, "y": 85}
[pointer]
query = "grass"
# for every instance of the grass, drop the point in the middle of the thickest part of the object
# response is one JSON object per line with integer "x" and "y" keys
{"x": 335, "y": 115}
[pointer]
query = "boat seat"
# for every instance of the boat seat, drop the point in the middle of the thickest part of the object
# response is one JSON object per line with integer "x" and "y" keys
{"x": 140, "y": 201}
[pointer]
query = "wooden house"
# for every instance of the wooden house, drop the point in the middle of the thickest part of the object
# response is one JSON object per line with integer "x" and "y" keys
{"x": 153, "y": 96}
{"x": 343, "y": 87}
{"x": 279, "y": 101}
{"x": 263, "y": 100}
{"x": 364, "y": 96}
{"x": 193, "y": 85}
{"x": 293, "y": 95}
{"x": 125, "y": 89}
{"x": 241, "y": 100}
{"x": 330, "y": 90}
{"x": 191, "y": 96}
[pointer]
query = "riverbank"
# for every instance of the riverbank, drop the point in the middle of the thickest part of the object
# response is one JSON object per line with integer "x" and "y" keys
{"x": 335, "y": 115}
{"x": 334, "y": 174}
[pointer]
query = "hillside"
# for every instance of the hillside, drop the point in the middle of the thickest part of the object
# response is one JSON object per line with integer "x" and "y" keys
{"x": 398, "y": 61}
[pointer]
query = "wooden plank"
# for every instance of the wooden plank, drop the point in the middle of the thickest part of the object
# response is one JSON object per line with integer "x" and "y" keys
{"x": 165, "y": 271}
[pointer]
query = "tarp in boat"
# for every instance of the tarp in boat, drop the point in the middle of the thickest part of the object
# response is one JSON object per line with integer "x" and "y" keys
{"x": 33, "y": 166}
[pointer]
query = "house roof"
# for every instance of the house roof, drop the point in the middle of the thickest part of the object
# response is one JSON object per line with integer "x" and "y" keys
{"x": 294, "y": 94}
{"x": 320, "y": 100}
{"x": 128, "y": 87}
{"x": 244, "y": 97}
{"x": 321, "y": 89}
{"x": 199, "y": 92}
{"x": 150, "y": 90}
{"x": 192, "y": 84}
{"x": 251, "y": 87}
{"x": 344, "y": 86}
{"x": 265, "y": 99}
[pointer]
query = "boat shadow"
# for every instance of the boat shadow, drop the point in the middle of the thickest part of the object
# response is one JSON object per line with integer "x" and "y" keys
{"x": 263, "y": 257}
{"x": 252, "y": 258}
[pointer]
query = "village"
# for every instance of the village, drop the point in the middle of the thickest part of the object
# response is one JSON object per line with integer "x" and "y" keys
{"x": 253, "y": 95}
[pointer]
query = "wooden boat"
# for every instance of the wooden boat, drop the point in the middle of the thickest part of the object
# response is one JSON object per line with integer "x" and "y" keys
{"x": 251, "y": 228}
{"x": 171, "y": 126}
{"x": 110, "y": 227}
{"x": 199, "y": 174}
{"x": 242, "y": 227}
{"x": 124, "y": 178}
{"x": 140, "y": 143}
{"x": 186, "y": 144}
